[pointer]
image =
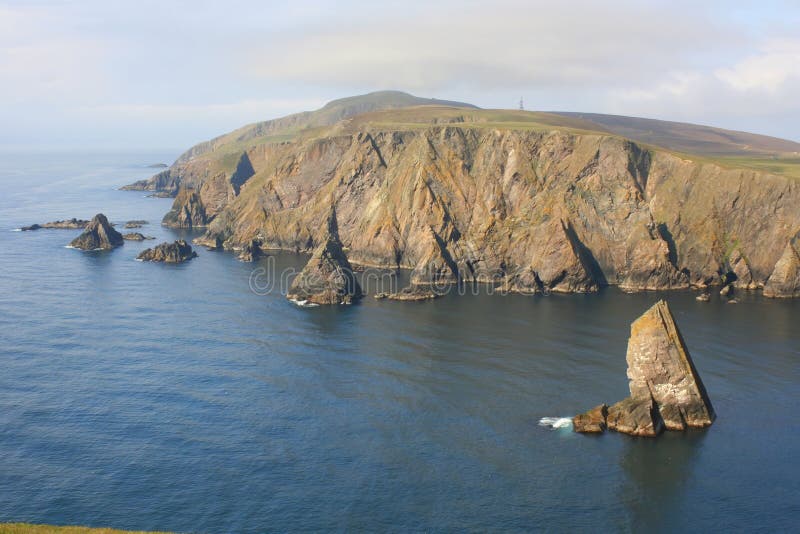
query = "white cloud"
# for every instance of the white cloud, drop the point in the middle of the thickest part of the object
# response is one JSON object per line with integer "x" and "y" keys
{"x": 776, "y": 64}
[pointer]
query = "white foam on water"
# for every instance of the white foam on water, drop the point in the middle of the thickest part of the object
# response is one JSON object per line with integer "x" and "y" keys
{"x": 556, "y": 422}
{"x": 68, "y": 246}
{"x": 17, "y": 230}
{"x": 304, "y": 303}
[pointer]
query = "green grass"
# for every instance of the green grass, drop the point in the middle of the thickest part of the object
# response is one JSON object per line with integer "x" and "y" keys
{"x": 27, "y": 528}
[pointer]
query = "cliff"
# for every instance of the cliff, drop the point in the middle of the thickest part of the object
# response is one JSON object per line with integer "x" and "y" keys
{"x": 533, "y": 201}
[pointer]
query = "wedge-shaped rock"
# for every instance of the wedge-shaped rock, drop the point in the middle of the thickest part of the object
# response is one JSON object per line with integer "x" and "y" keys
{"x": 328, "y": 276}
{"x": 659, "y": 367}
{"x": 176, "y": 252}
{"x": 98, "y": 235}
{"x": 187, "y": 211}
{"x": 666, "y": 391}
{"x": 784, "y": 282}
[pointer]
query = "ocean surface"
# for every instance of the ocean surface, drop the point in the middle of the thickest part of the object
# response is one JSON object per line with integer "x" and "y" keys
{"x": 151, "y": 396}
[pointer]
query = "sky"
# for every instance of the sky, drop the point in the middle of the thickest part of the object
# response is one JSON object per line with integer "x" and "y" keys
{"x": 167, "y": 74}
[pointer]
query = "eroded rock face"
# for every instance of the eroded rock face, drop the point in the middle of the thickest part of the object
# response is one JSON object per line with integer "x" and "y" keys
{"x": 98, "y": 235}
{"x": 784, "y": 282}
{"x": 328, "y": 276}
{"x": 176, "y": 252}
{"x": 187, "y": 211}
{"x": 666, "y": 391}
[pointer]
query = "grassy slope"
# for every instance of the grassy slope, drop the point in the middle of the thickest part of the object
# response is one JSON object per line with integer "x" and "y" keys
{"x": 27, "y": 528}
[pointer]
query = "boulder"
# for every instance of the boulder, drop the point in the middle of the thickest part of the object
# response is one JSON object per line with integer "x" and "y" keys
{"x": 328, "y": 276}
{"x": 593, "y": 421}
{"x": 784, "y": 282}
{"x": 665, "y": 389}
{"x": 98, "y": 235}
{"x": 176, "y": 252}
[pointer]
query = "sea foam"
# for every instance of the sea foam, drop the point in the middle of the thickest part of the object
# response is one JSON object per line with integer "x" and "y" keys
{"x": 556, "y": 422}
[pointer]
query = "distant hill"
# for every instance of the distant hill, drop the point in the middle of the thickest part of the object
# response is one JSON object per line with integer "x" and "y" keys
{"x": 691, "y": 138}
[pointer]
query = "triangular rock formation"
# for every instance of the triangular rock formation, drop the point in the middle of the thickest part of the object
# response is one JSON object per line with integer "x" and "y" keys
{"x": 176, "y": 252}
{"x": 666, "y": 391}
{"x": 187, "y": 211}
{"x": 784, "y": 282}
{"x": 328, "y": 276}
{"x": 98, "y": 235}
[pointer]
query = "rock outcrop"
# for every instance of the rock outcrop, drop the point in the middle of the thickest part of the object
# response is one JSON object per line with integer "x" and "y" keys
{"x": 328, "y": 276}
{"x": 68, "y": 224}
{"x": 176, "y": 252}
{"x": 187, "y": 211}
{"x": 591, "y": 422}
{"x": 98, "y": 235}
{"x": 135, "y": 224}
{"x": 665, "y": 390}
{"x": 136, "y": 236}
{"x": 784, "y": 282}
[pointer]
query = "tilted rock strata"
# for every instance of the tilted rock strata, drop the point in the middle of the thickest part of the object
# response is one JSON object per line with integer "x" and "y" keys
{"x": 784, "y": 282}
{"x": 187, "y": 211}
{"x": 176, "y": 252}
{"x": 535, "y": 210}
{"x": 666, "y": 391}
{"x": 591, "y": 422}
{"x": 98, "y": 235}
{"x": 328, "y": 276}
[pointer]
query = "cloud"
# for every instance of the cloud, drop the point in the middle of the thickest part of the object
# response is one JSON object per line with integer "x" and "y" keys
{"x": 777, "y": 64}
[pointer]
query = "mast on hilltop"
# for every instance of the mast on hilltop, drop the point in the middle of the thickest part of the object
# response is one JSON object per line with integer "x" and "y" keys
{"x": 521, "y": 105}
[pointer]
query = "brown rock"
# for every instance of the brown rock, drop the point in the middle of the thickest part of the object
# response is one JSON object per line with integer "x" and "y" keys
{"x": 98, "y": 235}
{"x": 187, "y": 211}
{"x": 68, "y": 224}
{"x": 666, "y": 391}
{"x": 328, "y": 276}
{"x": 415, "y": 292}
{"x": 637, "y": 417}
{"x": 135, "y": 236}
{"x": 784, "y": 282}
{"x": 176, "y": 252}
{"x": 593, "y": 421}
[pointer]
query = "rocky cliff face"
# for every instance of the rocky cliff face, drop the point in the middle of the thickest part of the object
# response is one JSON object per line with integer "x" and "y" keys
{"x": 187, "y": 211}
{"x": 537, "y": 211}
{"x": 328, "y": 276}
{"x": 666, "y": 390}
{"x": 98, "y": 235}
{"x": 784, "y": 282}
{"x": 454, "y": 197}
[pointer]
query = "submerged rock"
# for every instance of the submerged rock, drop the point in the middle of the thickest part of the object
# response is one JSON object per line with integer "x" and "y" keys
{"x": 666, "y": 391}
{"x": 328, "y": 276}
{"x": 98, "y": 235}
{"x": 176, "y": 252}
{"x": 784, "y": 282}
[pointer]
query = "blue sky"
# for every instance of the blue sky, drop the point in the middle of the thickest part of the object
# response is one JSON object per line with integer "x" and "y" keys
{"x": 146, "y": 74}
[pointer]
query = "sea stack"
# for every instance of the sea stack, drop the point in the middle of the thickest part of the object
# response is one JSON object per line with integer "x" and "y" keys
{"x": 666, "y": 390}
{"x": 328, "y": 276}
{"x": 784, "y": 282}
{"x": 176, "y": 252}
{"x": 98, "y": 235}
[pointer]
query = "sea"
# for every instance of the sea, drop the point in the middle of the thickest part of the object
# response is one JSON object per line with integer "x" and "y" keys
{"x": 196, "y": 398}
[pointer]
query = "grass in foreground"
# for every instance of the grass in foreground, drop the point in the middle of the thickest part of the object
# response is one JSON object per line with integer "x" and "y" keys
{"x": 27, "y": 528}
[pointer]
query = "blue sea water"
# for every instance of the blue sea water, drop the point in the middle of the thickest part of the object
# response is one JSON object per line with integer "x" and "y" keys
{"x": 150, "y": 396}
